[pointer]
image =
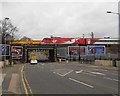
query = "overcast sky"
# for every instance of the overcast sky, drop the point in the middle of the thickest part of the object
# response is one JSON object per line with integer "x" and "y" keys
{"x": 38, "y": 20}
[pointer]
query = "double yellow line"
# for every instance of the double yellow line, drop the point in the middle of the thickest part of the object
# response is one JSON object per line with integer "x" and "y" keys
{"x": 26, "y": 85}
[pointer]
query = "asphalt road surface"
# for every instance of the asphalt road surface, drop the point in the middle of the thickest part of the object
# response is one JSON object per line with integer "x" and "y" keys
{"x": 66, "y": 78}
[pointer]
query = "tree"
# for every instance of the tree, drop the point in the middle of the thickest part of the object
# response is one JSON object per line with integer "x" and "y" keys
{"x": 25, "y": 38}
{"x": 7, "y": 30}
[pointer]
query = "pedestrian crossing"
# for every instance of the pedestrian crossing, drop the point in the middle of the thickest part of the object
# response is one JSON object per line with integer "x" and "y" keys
{"x": 2, "y": 77}
{"x": 12, "y": 84}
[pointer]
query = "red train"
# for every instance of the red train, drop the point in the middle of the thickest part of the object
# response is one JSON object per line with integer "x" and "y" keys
{"x": 81, "y": 41}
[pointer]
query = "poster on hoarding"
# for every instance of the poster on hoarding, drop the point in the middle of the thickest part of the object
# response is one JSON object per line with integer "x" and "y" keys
{"x": 41, "y": 54}
{"x": 95, "y": 50}
{"x": 17, "y": 52}
{"x": 75, "y": 50}
{"x": 4, "y": 50}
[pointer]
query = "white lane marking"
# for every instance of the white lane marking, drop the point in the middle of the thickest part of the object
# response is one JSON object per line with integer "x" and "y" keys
{"x": 77, "y": 72}
{"x": 58, "y": 73}
{"x": 68, "y": 73}
{"x": 63, "y": 74}
{"x": 89, "y": 74}
{"x": 100, "y": 69}
{"x": 2, "y": 77}
{"x": 98, "y": 73}
{"x": 111, "y": 79}
{"x": 13, "y": 83}
{"x": 81, "y": 83}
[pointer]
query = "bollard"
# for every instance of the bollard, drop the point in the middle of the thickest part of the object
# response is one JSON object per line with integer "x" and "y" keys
{"x": 59, "y": 60}
{"x": 12, "y": 63}
{"x": 7, "y": 62}
{"x": 114, "y": 63}
{"x": 66, "y": 61}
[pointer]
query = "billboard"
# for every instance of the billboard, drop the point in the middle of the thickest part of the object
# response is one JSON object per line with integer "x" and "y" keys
{"x": 74, "y": 50}
{"x": 95, "y": 50}
{"x": 4, "y": 50}
{"x": 17, "y": 52}
{"x": 41, "y": 54}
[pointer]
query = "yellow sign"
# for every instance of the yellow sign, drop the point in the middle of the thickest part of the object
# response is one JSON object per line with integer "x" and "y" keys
{"x": 33, "y": 57}
{"x": 26, "y": 42}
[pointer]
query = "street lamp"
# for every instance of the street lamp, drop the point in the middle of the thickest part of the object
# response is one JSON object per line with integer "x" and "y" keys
{"x": 118, "y": 19}
{"x": 113, "y": 12}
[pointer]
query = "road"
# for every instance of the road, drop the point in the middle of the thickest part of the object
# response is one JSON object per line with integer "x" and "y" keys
{"x": 66, "y": 78}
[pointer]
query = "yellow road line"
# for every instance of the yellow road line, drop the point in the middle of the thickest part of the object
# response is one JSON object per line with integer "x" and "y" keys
{"x": 25, "y": 82}
{"x": 28, "y": 85}
{"x": 26, "y": 91}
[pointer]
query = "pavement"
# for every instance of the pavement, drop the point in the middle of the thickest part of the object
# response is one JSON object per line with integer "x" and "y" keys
{"x": 11, "y": 79}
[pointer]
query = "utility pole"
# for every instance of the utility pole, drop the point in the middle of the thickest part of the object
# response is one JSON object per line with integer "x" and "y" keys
{"x": 4, "y": 40}
{"x": 92, "y": 35}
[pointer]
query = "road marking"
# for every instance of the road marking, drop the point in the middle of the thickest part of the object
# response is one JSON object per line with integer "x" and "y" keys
{"x": 13, "y": 83}
{"x": 68, "y": 73}
{"x": 58, "y": 74}
{"x": 26, "y": 91}
{"x": 28, "y": 84}
{"x": 89, "y": 74}
{"x": 63, "y": 74}
{"x": 111, "y": 79}
{"x": 100, "y": 69}
{"x": 25, "y": 83}
{"x": 77, "y": 72}
{"x": 98, "y": 73}
{"x": 81, "y": 83}
{"x": 2, "y": 77}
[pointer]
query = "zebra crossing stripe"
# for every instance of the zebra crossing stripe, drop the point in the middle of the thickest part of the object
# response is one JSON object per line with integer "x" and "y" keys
{"x": 13, "y": 83}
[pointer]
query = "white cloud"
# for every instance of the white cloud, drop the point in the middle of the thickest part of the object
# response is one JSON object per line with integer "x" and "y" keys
{"x": 42, "y": 19}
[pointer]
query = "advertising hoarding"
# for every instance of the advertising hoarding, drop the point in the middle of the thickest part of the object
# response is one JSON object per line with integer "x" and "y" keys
{"x": 96, "y": 50}
{"x": 41, "y": 54}
{"x": 75, "y": 50}
{"x": 17, "y": 52}
{"x": 4, "y": 50}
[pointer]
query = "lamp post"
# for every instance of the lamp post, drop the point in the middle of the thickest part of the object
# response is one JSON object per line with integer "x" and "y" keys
{"x": 79, "y": 51}
{"x": 118, "y": 23}
{"x": 4, "y": 39}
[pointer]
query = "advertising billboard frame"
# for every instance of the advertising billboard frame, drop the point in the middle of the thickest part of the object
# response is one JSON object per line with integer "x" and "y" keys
{"x": 93, "y": 52}
{"x": 1, "y": 52}
{"x": 18, "y": 56}
{"x": 77, "y": 53}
